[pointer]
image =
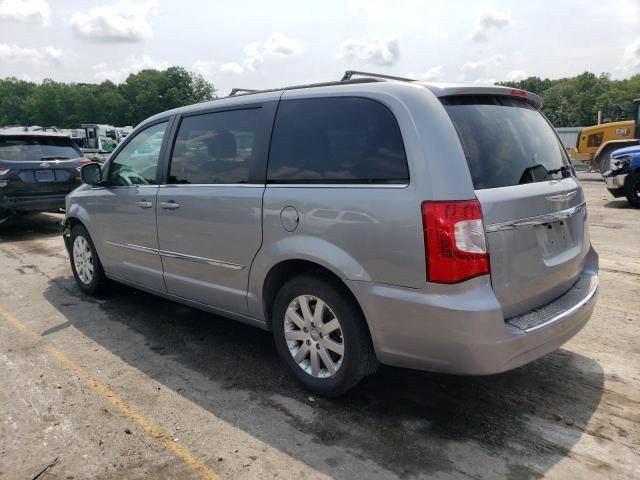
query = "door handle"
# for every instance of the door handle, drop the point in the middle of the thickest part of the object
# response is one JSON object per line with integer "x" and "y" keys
{"x": 169, "y": 205}
{"x": 144, "y": 204}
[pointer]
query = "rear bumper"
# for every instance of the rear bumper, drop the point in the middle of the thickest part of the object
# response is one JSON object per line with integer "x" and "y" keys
{"x": 39, "y": 203}
{"x": 460, "y": 329}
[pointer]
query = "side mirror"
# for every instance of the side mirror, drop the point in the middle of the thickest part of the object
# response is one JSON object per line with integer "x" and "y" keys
{"x": 91, "y": 174}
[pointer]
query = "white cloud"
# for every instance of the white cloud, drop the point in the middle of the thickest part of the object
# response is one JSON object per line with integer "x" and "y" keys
{"x": 482, "y": 71}
{"x": 487, "y": 22}
{"x": 123, "y": 21}
{"x": 206, "y": 68}
{"x": 232, "y": 67}
{"x": 371, "y": 51}
{"x": 36, "y": 12}
{"x": 515, "y": 76}
{"x": 36, "y": 56}
{"x": 433, "y": 74}
{"x": 631, "y": 59}
{"x": 277, "y": 45}
{"x": 119, "y": 72}
{"x": 371, "y": 8}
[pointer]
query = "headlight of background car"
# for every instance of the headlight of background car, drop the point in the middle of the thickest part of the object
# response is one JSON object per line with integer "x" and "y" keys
{"x": 620, "y": 162}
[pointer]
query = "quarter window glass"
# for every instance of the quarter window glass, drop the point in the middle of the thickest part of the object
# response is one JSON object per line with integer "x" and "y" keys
{"x": 595, "y": 140}
{"x": 336, "y": 140}
{"x": 137, "y": 162}
{"x": 218, "y": 148}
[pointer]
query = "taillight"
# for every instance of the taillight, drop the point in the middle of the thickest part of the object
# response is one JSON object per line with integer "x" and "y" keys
{"x": 454, "y": 241}
{"x": 83, "y": 162}
{"x": 518, "y": 93}
{"x": 3, "y": 171}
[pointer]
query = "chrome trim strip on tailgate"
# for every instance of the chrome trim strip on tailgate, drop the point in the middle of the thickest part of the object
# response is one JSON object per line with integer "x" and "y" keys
{"x": 537, "y": 220}
{"x": 181, "y": 256}
{"x": 564, "y": 306}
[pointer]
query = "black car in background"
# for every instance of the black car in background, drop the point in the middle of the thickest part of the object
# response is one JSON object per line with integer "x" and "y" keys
{"x": 37, "y": 171}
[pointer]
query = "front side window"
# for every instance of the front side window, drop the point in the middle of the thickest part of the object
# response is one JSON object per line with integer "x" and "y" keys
{"x": 336, "y": 140}
{"x": 218, "y": 148}
{"x": 137, "y": 162}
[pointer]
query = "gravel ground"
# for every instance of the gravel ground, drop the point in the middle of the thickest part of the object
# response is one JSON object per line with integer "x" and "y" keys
{"x": 132, "y": 386}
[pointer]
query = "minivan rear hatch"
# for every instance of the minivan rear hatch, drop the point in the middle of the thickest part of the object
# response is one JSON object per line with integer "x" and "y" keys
{"x": 533, "y": 207}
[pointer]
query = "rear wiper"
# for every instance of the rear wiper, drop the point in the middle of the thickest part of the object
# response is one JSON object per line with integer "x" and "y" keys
{"x": 55, "y": 157}
{"x": 565, "y": 170}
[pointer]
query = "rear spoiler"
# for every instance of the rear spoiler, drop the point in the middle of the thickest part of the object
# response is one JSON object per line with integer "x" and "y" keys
{"x": 447, "y": 89}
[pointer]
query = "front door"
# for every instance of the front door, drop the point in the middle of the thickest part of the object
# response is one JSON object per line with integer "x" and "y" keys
{"x": 125, "y": 213}
{"x": 209, "y": 212}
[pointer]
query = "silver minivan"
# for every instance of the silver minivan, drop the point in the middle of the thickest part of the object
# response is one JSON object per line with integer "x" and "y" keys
{"x": 375, "y": 219}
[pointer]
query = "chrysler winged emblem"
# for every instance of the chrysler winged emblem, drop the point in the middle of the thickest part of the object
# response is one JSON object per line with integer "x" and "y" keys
{"x": 564, "y": 197}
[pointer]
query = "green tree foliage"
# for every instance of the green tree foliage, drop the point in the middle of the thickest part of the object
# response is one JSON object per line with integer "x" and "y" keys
{"x": 67, "y": 105}
{"x": 575, "y": 101}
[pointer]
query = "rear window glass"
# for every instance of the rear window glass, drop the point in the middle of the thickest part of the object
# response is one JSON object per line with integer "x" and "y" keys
{"x": 22, "y": 148}
{"x": 506, "y": 141}
{"x": 336, "y": 140}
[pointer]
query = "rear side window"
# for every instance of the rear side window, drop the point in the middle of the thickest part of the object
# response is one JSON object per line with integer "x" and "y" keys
{"x": 31, "y": 148}
{"x": 336, "y": 140}
{"x": 219, "y": 148}
{"x": 506, "y": 141}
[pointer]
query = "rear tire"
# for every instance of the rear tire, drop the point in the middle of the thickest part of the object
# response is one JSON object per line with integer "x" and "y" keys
{"x": 632, "y": 189}
{"x": 85, "y": 264}
{"x": 321, "y": 335}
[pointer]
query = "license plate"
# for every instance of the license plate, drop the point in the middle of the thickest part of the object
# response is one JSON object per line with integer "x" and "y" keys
{"x": 45, "y": 176}
{"x": 555, "y": 238}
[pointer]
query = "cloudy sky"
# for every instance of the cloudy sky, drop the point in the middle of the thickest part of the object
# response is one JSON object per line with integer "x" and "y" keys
{"x": 263, "y": 44}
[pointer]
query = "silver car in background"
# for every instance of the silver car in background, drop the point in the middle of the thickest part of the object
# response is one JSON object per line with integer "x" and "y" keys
{"x": 375, "y": 219}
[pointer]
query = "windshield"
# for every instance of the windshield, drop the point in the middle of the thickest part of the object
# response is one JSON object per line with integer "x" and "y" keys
{"x": 506, "y": 141}
{"x": 30, "y": 148}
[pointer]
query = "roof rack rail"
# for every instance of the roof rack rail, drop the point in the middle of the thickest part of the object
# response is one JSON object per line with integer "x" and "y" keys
{"x": 235, "y": 91}
{"x": 350, "y": 73}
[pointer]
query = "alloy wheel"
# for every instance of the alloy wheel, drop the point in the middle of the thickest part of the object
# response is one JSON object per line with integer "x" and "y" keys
{"x": 314, "y": 336}
{"x": 83, "y": 259}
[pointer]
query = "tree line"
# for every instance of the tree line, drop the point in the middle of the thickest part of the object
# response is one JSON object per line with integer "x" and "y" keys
{"x": 573, "y": 101}
{"x": 67, "y": 105}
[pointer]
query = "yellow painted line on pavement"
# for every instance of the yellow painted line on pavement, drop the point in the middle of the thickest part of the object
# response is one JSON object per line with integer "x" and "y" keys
{"x": 146, "y": 425}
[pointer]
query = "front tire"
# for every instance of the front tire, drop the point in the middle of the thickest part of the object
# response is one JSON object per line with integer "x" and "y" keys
{"x": 632, "y": 189}
{"x": 85, "y": 264}
{"x": 604, "y": 159}
{"x": 321, "y": 335}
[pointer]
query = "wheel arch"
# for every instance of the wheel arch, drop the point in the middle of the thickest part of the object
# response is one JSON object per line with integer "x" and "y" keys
{"x": 78, "y": 215}
{"x": 284, "y": 270}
